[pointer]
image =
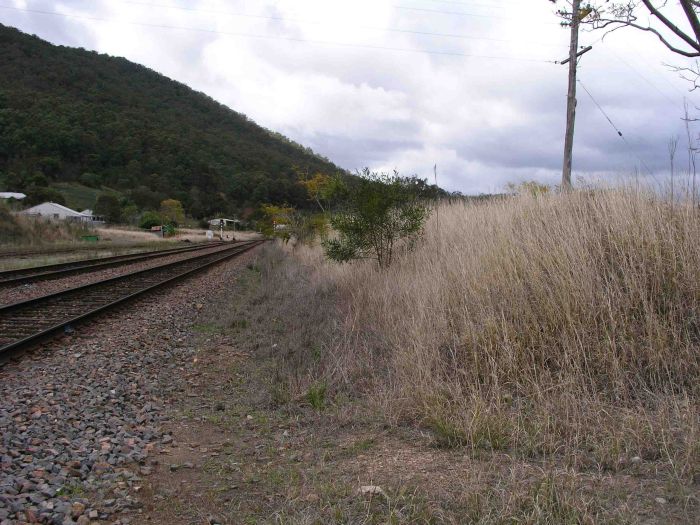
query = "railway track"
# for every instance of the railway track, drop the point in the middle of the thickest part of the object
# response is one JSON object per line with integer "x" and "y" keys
{"x": 56, "y": 271}
{"x": 26, "y": 322}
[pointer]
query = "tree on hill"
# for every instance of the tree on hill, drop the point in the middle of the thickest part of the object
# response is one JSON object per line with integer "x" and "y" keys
{"x": 109, "y": 207}
{"x": 75, "y": 115}
{"x": 37, "y": 195}
{"x": 172, "y": 212}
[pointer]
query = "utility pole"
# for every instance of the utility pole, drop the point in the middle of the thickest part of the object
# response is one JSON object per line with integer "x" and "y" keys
{"x": 571, "y": 97}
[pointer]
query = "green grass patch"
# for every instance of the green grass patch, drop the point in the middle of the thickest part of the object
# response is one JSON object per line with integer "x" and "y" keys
{"x": 316, "y": 396}
{"x": 80, "y": 197}
{"x": 206, "y": 328}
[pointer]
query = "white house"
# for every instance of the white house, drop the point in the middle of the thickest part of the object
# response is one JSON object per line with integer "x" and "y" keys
{"x": 12, "y": 195}
{"x": 54, "y": 211}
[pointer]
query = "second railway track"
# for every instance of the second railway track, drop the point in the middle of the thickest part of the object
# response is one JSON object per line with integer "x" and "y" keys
{"x": 60, "y": 270}
{"x": 26, "y": 322}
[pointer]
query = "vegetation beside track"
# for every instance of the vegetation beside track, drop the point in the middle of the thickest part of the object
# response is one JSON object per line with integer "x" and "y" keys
{"x": 546, "y": 340}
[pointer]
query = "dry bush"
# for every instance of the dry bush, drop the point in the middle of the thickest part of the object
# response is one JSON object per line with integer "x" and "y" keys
{"x": 22, "y": 230}
{"x": 539, "y": 324}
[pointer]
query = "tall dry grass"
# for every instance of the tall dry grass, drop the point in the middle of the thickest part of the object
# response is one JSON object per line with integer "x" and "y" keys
{"x": 27, "y": 231}
{"x": 553, "y": 324}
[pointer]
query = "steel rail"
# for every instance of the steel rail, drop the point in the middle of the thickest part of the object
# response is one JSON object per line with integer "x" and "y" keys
{"x": 82, "y": 247}
{"x": 26, "y": 322}
{"x": 56, "y": 271}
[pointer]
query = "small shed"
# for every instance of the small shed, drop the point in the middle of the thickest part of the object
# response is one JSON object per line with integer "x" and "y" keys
{"x": 217, "y": 223}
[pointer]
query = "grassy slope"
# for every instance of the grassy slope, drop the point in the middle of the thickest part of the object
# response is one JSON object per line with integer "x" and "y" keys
{"x": 80, "y": 197}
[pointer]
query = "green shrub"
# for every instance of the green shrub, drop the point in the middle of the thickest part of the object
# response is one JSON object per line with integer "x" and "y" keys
{"x": 150, "y": 219}
{"x": 380, "y": 211}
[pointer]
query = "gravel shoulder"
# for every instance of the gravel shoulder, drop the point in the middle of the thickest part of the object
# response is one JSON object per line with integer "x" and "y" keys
{"x": 81, "y": 416}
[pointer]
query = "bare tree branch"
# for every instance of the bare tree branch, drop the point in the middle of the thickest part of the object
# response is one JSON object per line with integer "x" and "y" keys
{"x": 610, "y": 16}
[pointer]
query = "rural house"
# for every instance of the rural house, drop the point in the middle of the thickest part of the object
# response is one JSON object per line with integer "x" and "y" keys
{"x": 54, "y": 211}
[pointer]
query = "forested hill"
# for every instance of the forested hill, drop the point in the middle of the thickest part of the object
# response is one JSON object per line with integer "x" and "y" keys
{"x": 71, "y": 115}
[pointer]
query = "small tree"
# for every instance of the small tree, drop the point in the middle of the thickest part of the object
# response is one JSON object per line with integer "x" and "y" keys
{"x": 322, "y": 189}
{"x": 109, "y": 207}
{"x": 381, "y": 210}
{"x": 150, "y": 219}
{"x": 277, "y": 220}
{"x": 130, "y": 213}
{"x": 172, "y": 212}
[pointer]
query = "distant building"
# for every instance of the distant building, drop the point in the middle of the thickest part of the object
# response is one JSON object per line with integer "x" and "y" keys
{"x": 54, "y": 211}
{"x": 216, "y": 223}
{"x": 12, "y": 195}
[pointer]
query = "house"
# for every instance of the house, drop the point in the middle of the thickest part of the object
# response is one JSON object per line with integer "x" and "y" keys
{"x": 54, "y": 211}
{"x": 12, "y": 195}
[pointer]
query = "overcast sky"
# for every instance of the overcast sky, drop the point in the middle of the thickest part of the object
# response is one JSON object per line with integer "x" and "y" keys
{"x": 361, "y": 82}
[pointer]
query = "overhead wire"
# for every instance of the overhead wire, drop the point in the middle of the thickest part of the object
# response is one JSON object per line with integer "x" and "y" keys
{"x": 472, "y": 4}
{"x": 316, "y": 22}
{"x": 462, "y": 13}
{"x": 282, "y": 38}
{"x": 617, "y": 130}
{"x": 639, "y": 74}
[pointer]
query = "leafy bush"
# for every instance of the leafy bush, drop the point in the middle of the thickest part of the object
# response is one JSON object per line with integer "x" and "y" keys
{"x": 381, "y": 210}
{"x": 172, "y": 212}
{"x": 150, "y": 219}
{"x": 109, "y": 207}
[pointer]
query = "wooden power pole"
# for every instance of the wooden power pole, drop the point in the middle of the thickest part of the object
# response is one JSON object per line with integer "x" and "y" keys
{"x": 571, "y": 96}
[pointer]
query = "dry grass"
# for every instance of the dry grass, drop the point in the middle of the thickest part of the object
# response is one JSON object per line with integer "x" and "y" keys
{"x": 559, "y": 325}
{"x": 27, "y": 231}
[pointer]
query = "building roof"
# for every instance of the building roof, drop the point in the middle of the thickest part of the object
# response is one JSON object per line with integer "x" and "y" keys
{"x": 12, "y": 195}
{"x": 56, "y": 206}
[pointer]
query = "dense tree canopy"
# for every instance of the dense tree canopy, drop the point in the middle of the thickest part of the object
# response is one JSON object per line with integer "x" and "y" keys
{"x": 71, "y": 115}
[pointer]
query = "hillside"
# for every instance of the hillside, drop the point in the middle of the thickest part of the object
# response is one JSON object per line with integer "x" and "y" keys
{"x": 74, "y": 116}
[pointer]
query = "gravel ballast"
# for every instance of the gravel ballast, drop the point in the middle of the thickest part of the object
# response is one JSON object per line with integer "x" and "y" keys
{"x": 79, "y": 418}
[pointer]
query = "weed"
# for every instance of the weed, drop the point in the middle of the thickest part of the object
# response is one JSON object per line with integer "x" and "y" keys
{"x": 447, "y": 434}
{"x": 238, "y": 325}
{"x": 206, "y": 328}
{"x": 316, "y": 396}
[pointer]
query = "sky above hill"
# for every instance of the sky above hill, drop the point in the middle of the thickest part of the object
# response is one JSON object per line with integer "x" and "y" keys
{"x": 469, "y": 86}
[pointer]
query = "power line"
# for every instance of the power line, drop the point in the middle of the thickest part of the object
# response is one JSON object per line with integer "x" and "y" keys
{"x": 462, "y": 13}
{"x": 639, "y": 74}
{"x": 617, "y": 130}
{"x": 315, "y": 22}
{"x": 664, "y": 77}
{"x": 500, "y": 5}
{"x": 467, "y": 4}
{"x": 282, "y": 38}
